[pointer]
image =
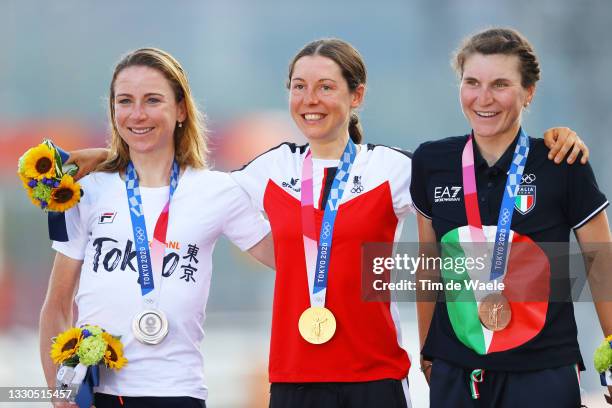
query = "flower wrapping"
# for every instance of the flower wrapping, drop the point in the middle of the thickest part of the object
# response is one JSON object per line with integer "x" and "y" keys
{"x": 49, "y": 184}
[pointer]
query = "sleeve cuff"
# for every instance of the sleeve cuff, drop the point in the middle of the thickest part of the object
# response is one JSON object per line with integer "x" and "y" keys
{"x": 591, "y": 215}
{"x": 254, "y": 238}
{"x": 423, "y": 213}
{"x": 64, "y": 250}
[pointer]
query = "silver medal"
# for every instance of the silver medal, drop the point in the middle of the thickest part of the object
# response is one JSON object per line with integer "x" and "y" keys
{"x": 150, "y": 326}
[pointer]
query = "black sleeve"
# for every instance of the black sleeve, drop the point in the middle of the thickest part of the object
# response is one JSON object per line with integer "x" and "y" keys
{"x": 418, "y": 183}
{"x": 57, "y": 226}
{"x": 584, "y": 198}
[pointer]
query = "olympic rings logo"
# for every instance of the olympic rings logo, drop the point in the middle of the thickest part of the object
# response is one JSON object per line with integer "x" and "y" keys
{"x": 326, "y": 230}
{"x": 357, "y": 187}
{"x": 505, "y": 216}
{"x": 140, "y": 234}
{"x": 528, "y": 178}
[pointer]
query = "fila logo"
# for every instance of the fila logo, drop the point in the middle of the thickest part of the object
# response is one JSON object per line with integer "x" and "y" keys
{"x": 107, "y": 218}
{"x": 293, "y": 184}
{"x": 445, "y": 194}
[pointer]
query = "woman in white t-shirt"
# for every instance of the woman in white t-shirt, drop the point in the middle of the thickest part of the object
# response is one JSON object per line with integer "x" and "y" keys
{"x": 154, "y": 187}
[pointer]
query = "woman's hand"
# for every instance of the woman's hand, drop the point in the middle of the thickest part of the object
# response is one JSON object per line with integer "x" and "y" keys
{"x": 560, "y": 140}
{"x": 87, "y": 160}
{"x": 426, "y": 368}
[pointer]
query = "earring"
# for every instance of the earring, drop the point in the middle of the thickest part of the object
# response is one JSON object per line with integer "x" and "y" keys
{"x": 180, "y": 124}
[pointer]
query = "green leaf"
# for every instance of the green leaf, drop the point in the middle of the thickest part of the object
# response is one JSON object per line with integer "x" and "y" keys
{"x": 71, "y": 169}
{"x": 72, "y": 361}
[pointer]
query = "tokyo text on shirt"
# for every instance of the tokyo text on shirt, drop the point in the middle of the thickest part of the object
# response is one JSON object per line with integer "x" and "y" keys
{"x": 205, "y": 205}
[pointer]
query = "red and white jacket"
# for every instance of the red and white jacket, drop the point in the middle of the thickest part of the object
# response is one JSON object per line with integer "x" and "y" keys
{"x": 367, "y": 342}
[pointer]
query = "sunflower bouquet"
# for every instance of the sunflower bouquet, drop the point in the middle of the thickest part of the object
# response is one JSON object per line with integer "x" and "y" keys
{"x": 80, "y": 348}
{"x": 50, "y": 185}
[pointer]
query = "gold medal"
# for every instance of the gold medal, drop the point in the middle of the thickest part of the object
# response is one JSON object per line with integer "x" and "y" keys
{"x": 317, "y": 325}
{"x": 494, "y": 312}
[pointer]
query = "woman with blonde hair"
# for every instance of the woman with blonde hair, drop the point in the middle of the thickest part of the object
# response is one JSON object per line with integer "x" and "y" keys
{"x": 138, "y": 255}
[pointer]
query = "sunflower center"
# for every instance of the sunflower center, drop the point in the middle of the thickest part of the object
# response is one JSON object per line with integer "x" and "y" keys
{"x": 43, "y": 165}
{"x": 63, "y": 195}
{"x": 113, "y": 355}
{"x": 69, "y": 345}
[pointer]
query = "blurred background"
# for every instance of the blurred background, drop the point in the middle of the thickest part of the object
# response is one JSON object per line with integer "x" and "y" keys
{"x": 58, "y": 56}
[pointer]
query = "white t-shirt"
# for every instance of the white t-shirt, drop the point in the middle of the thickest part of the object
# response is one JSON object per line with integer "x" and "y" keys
{"x": 205, "y": 205}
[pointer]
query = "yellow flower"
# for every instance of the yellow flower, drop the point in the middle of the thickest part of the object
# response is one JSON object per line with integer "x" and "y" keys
{"x": 66, "y": 345}
{"x": 38, "y": 162}
{"x": 66, "y": 195}
{"x": 113, "y": 357}
{"x": 609, "y": 338}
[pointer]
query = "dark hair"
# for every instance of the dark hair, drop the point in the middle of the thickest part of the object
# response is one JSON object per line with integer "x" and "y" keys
{"x": 505, "y": 41}
{"x": 190, "y": 148}
{"x": 351, "y": 64}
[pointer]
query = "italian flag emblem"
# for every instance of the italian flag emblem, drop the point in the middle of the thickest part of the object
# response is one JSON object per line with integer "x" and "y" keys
{"x": 525, "y": 199}
{"x": 527, "y": 289}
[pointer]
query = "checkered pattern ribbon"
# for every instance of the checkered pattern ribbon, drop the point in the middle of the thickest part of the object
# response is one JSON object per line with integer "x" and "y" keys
{"x": 149, "y": 260}
{"x": 318, "y": 252}
{"x": 342, "y": 176}
{"x": 506, "y": 211}
{"x": 519, "y": 159}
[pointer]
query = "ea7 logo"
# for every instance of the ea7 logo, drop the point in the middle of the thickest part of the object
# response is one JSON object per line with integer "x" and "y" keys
{"x": 444, "y": 194}
{"x": 107, "y": 218}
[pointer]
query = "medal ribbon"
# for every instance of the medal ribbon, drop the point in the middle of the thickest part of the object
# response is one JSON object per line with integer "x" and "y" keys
{"x": 150, "y": 262}
{"x": 506, "y": 211}
{"x": 476, "y": 377}
{"x": 318, "y": 255}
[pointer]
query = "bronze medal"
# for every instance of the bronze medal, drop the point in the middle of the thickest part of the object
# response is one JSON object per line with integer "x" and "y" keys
{"x": 494, "y": 312}
{"x": 317, "y": 325}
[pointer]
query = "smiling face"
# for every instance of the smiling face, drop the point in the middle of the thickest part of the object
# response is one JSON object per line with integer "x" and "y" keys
{"x": 146, "y": 110}
{"x": 320, "y": 100}
{"x": 492, "y": 97}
